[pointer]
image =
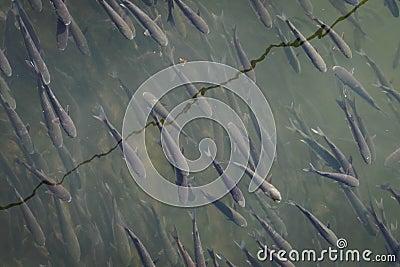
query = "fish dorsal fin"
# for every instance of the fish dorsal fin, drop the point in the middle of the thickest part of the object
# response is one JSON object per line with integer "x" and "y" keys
{"x": 28, "y": 127}
{"x": 147, "y": 33}
{"x": 158, "y": 21}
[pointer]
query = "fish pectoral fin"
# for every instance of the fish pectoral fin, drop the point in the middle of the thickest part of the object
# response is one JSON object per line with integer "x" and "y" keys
{"x": 28, "y": 127}
{"x": 147, "y": 33}
{"x": 158, "y": 21}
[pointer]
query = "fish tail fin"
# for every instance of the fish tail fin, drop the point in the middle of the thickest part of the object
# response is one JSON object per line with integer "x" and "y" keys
{"x": 192, "y": 215}
{"x": 379, "y": 203}
{"x": 102, "y": 115}
{"x": 282, "y": 17}
{"x": 310, "y": 169}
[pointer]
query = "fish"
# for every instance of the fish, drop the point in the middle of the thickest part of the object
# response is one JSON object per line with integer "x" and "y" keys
{"x": 62, "y": 35}
{"x": 194, "y": 18}
{"x": 56, "y": 188}
{"x": 62, "y": 11}
{"x": 320, "y": 150}
{"x": 241, "y": 142}
{"x": 322, "y": 229}
{"x": 390, "y": 189}
{"x": 64, "y": 119}
{"x": 357, "y": 134}
{"x": 69, "y": 237}
{"x": 223, "y": 258}
{"x": 346, "y": 165}
{"x": 230, "y": 213}
{"x": 198, "y": 248}
{"x": 213, "y": 257}
{"x": 391, "y": 241}
{"x": 118, "y": 21}
{"x": 393, "y": 7}
{"x": 342, "y": 8}
{"x": 36, "y": 5}
{"x": 130, "y": 153}
{"x": 230, "y": 184}
{"x": 396, "y": 58}
{"x": 79, "y": 37}
{"x": 16, "y": 7}
{"x": 124, "y": 14}
{"x": 363, "y": 129}
{"x": 70, "y": 166}
{"x": 306, "y": 5}
{"x": 5, "y": 92}
{"x": 348, "y": 79}
{"x": 183, "y": 182}
{"x": 361, "y": 211}
{"x": 20, "y": 129}
{"x": 170, "y": 252}
{"x": 262, "y": 13}
{"x": 250, "y": 258}
{"x": 170, "y": 17}
{"x": 33, "y": 51}
{"x": 336, "y": 38}
{"x": 289, "y": 52}
{"x": 151, "y": 27}
{"x": 393, "y": 158}
{"x": 267, "y": 188}
{"x": 339, "y": 177}
{"x": 144, "y": 255}
{"x": 276, "y": 237}
{"x": 311, "y": 52}
{"x": 5, "y": 66}
{"x": 352, "y": 2}
{"x": 185, "y": 254}
{"x": 53, "y": 129}
{"x": 244, "y": 60}
{"x": 31, "y": 222}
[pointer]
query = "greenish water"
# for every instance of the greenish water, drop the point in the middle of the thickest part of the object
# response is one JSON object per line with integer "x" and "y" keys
{"x": 85, "y": 82}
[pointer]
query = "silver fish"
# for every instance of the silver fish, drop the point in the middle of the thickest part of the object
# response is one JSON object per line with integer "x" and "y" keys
{"x": 21, "y": 131}
{"x": 289, "y": 52}
{"x": 393, "y": 158}
{"x": 267, "y": 188}
{"x": 390, "y": 189}
{"x": 348, "y": 79}
{"x": 120, "y": 238}
{"x": 62, "y": 11}
{"x": 118, "y": 21}
{"x": 244, "y": 60}
{"x": 363, "y": 129}
{"x": 33, "y": 51}
{"x": 79, "y": 37}
{"x": 230, "y": 213}
{"x": 31, "y": 222}
{"x": 235, "y": 191}
{"x": 262, "y": 13}
{"x": 311, "y": 52}
{"x": 194, "y": 18}
{"x": 278, "y": 239}
{"x": 5, "y": 92}
{"x": 153, "y": 29}
{"x": 69, "y": 236}
{"x": 5, "y": 64}
{"x": 65, "y": 120}
{"x": 357, "y": 134}
{"x": 336, "y": 38}
{"x": 124, "y": 14}
{"x": 130, "y": 153}
{"x": 198, "y": 249}
{"x": 141, "y": 249}
{"x": 306, "y": 5}
{"x": 185, "y": 255}
{"x": 53, "y": 129}
{"x": 322, "y": 229}
{"x": 339, "y": 177}
{"x": 56, "y": 188}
